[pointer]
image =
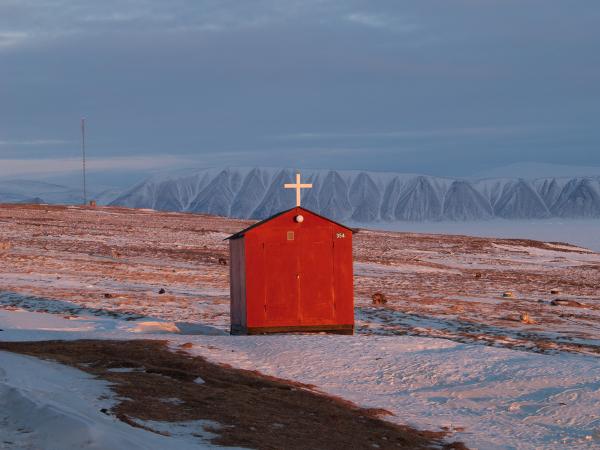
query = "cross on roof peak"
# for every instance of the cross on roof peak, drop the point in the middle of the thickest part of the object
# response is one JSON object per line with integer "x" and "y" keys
{"x": 298, "y": 186}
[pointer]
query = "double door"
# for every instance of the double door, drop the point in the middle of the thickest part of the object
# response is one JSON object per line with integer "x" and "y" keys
{"x": 299, "y": 277}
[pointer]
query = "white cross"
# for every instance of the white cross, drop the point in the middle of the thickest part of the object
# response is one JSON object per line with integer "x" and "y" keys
{"x": 297, "y": 186}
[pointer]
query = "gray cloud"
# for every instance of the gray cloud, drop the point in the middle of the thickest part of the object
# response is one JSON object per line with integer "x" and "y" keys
{"x": 33, "y": 142}
{"x": 412, "y": 134}
{"x": 383, "y": 21}
{"x": 446, "y": 87}
{"x": 54, "y": 166}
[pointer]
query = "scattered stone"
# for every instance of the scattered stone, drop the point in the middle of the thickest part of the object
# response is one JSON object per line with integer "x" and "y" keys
{"x": 555, "y": 291}
{"x": 566, "y": 302}
{"x": 378, "y": 298}
{"x": 222, "y": 261}
{"x": 107, "y": 295}
{"x": 567, "y": 315}
{"x": 524, "y": 317}
{"x": 508, "y": 294}
{"x": 5, "y": 246}
{"x": 161, "y": 291}
{"x": 186, "y": 345}
{"x": 478, "y": 275}
{"x": 92, "y": 203}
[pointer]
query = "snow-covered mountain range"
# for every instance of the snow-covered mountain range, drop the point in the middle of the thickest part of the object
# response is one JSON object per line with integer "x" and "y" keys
{"x": 364, "y": 197}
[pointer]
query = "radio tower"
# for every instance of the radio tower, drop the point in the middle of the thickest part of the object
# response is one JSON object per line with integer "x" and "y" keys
{"x": 83, "y": 154}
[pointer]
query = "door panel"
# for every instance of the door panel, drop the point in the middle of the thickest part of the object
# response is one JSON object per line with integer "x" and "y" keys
{"x": 317, "y": 277}
{"x": 281, "y": 293}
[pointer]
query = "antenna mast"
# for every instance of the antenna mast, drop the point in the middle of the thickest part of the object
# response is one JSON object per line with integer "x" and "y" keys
{"x": 83, "y": 154}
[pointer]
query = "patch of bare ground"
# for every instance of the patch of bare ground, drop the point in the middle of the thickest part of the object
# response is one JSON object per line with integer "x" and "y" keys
{"x": 255, "y": 411}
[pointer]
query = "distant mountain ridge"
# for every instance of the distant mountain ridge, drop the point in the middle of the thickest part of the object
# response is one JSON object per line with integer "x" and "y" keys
{"x": 365, "y": 197}
{"x": 32, "y": 191}
{"x": 29, "y": 191}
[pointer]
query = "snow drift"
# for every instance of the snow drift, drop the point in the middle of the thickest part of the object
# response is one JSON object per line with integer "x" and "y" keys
{"x": 47, "y": 405}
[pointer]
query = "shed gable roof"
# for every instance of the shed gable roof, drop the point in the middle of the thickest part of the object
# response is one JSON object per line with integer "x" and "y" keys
{"x": 241, "y": 233}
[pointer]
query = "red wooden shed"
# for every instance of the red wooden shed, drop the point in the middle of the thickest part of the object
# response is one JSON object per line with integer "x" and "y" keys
{"x": 292, "y": 272}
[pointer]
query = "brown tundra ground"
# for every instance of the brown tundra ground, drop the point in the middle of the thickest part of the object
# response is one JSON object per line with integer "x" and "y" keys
{"x": 114, "y": 261}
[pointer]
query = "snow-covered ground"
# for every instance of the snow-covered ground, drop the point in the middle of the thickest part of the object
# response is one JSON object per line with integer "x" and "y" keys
{"x": 115, "y": 262}
{"x": 490, "y": 398}
{"x": 45, "y": 405}
{"x": 447, "y": 351}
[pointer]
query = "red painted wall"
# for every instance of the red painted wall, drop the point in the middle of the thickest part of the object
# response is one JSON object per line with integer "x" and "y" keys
{"x": 237, "y": 287}
{"x": 298, "y": 274}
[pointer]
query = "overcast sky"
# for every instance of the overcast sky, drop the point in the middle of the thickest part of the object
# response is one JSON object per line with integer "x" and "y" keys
{"x": 447, "y": 87}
